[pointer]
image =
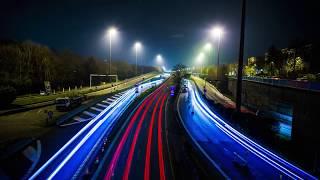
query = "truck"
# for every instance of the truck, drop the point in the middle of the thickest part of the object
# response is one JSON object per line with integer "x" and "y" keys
{"x": 67, "y": 103}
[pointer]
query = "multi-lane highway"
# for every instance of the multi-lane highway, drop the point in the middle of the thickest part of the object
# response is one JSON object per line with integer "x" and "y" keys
{"x": 70, "y": 161}
{"x": 233, "y": 154}
{"x": 138, "y": 151}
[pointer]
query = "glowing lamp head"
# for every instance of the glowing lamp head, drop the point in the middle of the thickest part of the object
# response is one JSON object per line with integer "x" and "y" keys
{"x": 208, "y": 47}
{"x": 112, "y": 31}
{"x": 159, "y": 59}
{"x": 217, "y": 32}
{"x": 137, "y": 45}
{"x": 200, "y": 58}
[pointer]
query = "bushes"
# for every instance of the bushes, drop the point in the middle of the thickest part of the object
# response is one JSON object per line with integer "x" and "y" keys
{"x": 312, "y": 77}
{"x": 7, "y": 95}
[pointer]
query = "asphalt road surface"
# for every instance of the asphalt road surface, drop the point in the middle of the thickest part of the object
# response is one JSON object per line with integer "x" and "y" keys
{"x": 151, "y": 144}
{"x": 138, "y": 152}
{"x": 232, "y": 153}
{"x": 71, "y": 159}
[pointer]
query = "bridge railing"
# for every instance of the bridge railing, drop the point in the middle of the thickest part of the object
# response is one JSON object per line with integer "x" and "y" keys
{"x": 306, "y": 85}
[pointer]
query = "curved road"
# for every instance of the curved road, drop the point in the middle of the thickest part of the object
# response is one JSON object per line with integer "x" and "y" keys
{"x": 232, "y": 153}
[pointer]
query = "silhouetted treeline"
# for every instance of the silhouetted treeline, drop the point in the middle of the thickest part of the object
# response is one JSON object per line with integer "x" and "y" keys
{"x": 26, "y": 65}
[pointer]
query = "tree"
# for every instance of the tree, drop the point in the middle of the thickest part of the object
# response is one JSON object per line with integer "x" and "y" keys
{"x": 26, "y": 65}
{"x": 179, "y": 67}
{"x": 250, "y": 71}
{"x": 274, "y": 61}
{"x": 293, "y": 66}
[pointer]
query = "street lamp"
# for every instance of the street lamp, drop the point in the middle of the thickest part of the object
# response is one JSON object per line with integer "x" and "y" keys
{"x": 137, "y": 47}
{"x": 199, "y": 59}
{"x": 111, "y": 32}
{"x": 217, "y": 33}
{"x": 159, "y": 60}
{"x": 208, "y": 47}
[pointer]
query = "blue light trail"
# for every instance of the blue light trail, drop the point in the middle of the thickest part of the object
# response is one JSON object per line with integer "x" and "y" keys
{"x": 70, "y": 160}
{"x": 267, "y": 156}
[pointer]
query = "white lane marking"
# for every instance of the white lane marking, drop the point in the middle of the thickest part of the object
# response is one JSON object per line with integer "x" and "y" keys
{"x": 110, "y": 100}
{"x": 78, "y": 118}
{"x": 106, "y": 102}
{"x": 89, "y": 113}
{"x": 113, "y": 98}
{"x": 96, "y": 109}
{"x": 102, "y": 105}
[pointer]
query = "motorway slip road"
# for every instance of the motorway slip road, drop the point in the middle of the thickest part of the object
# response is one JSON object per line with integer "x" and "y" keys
{"x": 233, "y": 154}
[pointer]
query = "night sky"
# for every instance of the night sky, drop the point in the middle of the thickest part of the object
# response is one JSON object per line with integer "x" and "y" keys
{"x": 176, "y": 29}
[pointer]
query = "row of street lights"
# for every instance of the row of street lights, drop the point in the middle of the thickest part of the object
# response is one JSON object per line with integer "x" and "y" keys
{"x": 137, "y": 47}
{"x": 216, "y": 32}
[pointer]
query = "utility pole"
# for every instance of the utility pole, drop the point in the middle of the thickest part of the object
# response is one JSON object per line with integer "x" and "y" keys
{"x": 110, "y": 54}
{"x": 106, "y": 61}
{"x": 240, "y": 62}
{"x": 218, "y": 58}
{"x": 136, "y": 61}
{"x": 141, "y": 66}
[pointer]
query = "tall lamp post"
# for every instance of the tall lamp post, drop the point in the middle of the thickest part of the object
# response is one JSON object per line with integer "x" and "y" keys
{"x": 240, "y": 63}
{"x": 159, "y": 60}
{"x": 217, "y": 32}
{"x": 208, "y": 48}
{"x": 137, "y": 47}
{"x": 111, "y": 32}
{"x": 199, "y": 60}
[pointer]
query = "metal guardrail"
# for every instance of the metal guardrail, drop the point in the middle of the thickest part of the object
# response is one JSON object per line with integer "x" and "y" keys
{"x": 304, "y": 85}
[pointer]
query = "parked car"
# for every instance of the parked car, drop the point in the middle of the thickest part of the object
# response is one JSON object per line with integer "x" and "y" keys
{"x": 43, "y": 93}
{"x": 67, "y": 103}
